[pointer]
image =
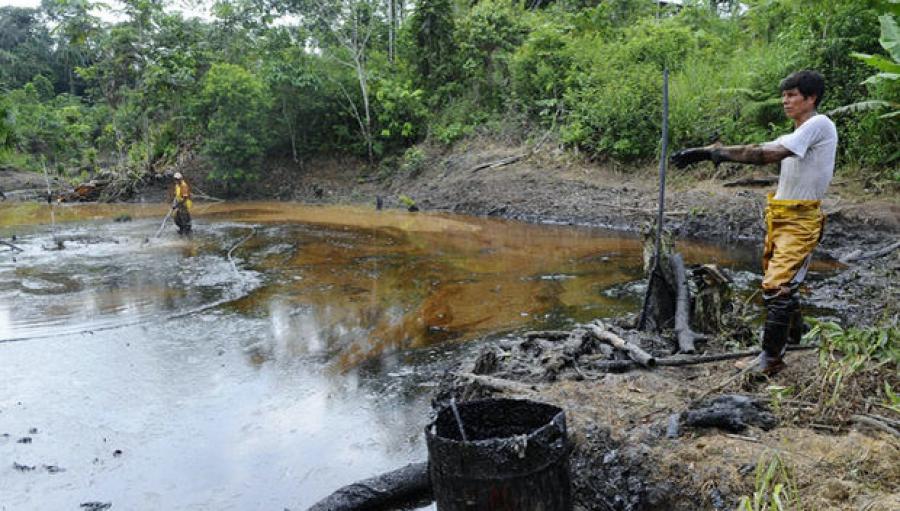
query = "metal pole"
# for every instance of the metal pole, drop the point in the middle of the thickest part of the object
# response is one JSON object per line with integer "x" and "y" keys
{"x": 663, "y": 158}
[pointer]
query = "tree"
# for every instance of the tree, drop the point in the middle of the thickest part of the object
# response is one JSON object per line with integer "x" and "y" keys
{"x": 7, "y": 140}
{"x": 234, "y": 104}
{"x": 75, "y": 27}
{"x": 345, "y": 29}
{"x": 292, "y": 80}
{"x": 26, "y": 49}
{"x": 432, "y": 28}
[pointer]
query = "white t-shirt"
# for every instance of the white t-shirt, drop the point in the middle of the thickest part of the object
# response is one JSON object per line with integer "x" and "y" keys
{"x": 806, "y": 175}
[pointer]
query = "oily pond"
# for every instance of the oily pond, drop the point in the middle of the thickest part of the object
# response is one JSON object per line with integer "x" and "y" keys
{"x": 282, "y": 352}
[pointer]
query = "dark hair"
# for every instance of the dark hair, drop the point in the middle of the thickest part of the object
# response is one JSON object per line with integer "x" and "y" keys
{"x": 808, "y": 82}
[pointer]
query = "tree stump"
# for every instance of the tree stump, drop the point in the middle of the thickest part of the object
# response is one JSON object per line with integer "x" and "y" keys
{"x": 712, "y": 303}
{"x": 658, "y": 310}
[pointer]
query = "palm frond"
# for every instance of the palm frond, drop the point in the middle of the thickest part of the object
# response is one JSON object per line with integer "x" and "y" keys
{"x": 862, "y": 106}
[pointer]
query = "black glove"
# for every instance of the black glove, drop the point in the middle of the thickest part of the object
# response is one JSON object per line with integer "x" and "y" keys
{"x": 686, "y": 157}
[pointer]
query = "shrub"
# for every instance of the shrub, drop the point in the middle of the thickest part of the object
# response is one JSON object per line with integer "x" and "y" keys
{"x": 617, "y": 117}
{"x": 487, "y": 37}
{"x": 234, "y": 103}
{"x": 400, "y": 112}
{"x": 539, "y": 69}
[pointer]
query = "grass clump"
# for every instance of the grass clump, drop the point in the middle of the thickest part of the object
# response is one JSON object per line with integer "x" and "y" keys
{"x": 775, "y": 487}
{"x": 857, "y": 369}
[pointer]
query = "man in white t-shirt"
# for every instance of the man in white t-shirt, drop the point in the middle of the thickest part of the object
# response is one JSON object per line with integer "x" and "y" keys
{"x": 794, "y": 219}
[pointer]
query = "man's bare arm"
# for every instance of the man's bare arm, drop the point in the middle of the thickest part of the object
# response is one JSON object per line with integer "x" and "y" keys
{"x": 756, "y": 154}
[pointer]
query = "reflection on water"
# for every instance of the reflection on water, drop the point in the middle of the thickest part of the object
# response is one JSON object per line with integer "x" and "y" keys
{"x": 267, "y": 378}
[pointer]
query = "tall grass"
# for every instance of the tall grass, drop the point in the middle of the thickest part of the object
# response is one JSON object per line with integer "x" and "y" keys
{"x": 855, "y": 364}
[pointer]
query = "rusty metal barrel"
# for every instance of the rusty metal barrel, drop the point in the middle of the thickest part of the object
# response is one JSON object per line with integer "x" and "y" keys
{"x": 515, "y": 457}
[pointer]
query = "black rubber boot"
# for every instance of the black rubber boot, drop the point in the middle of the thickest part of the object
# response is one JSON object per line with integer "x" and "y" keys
{"x": 798, "y": 327}
{"x": 779, "y": 310}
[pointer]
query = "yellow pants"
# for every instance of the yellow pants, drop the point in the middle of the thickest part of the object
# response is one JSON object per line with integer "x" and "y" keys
{"x": 793, "y": 229}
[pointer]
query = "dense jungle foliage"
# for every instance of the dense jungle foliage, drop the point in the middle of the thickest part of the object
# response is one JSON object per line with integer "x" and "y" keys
{"x": 85, "y": 88}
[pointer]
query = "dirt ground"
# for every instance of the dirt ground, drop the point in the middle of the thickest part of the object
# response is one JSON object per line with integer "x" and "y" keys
{"x": 623, "y": 458}
{"x": 19, "y": 185}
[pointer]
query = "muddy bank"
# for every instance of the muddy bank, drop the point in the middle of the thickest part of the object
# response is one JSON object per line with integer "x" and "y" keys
{"x": 549, "y": 186}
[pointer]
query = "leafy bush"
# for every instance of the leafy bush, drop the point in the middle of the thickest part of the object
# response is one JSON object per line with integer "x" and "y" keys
{"x": 234, "y": 103}
{"x": 458, "y": 120}
{"x": 665, "y": 45}
{"x": 400, "y": 112}
{"x": 7, "y": 135}
{"x": 619, "y": 118}
{"x": 539, "y": 70}
{"x": 487, "y": 36}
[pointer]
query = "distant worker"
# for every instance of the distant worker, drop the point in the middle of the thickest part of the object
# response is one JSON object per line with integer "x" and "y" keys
{"x": 794, "y": 219}
{"x": 182, "y": 204}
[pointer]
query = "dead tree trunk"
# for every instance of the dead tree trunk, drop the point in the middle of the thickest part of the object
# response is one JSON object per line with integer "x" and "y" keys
{"x": 686, "y": 336}
{"x": 634, "y": 352}
{"x": 658, "y": 310}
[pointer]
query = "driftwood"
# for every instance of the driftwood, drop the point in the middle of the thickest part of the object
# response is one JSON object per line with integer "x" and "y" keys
{"x": 499, "y": 163}
{"x": 634, "y": 351}
{"x": 10, "y": 245}
{"x": 686, "y": 336}
{"x": 391, "y": 490}
{"x": 500, "y": 384}
{"x": 625, "y": 365}
{"x": 859, "y": 255}
{"x": 752, "y": 181}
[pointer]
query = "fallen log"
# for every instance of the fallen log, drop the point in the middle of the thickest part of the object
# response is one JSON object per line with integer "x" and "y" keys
{"x": 402, "y": 487}
{"x": 686, "y": 336}
{"x": 499, "y": 163}
{"x": 625, "y": 365}
{"x": 500, "y": 384}
{"x": 731, "y": 412}
{"x": 634, "y": 352}
{"x": 10, "y": 245}
{"x": 859, "y": 255}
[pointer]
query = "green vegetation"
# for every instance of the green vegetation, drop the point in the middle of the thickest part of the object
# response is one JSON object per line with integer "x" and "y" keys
{"x": 855, "y": 365}
{"x": 775, "y": 487}
{"x": 268, "y": 79}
